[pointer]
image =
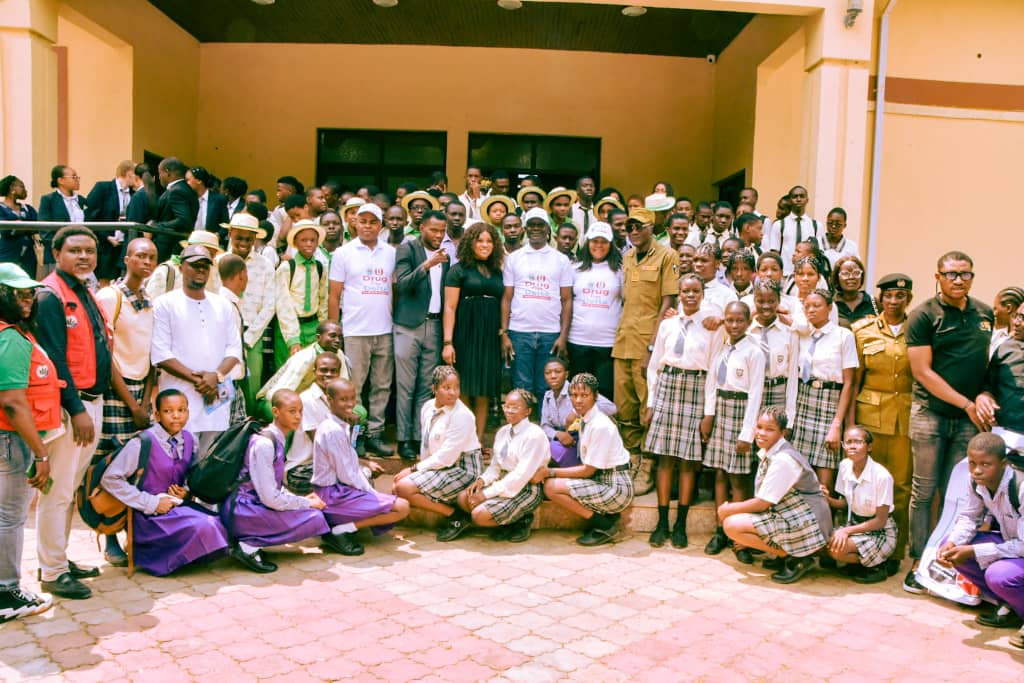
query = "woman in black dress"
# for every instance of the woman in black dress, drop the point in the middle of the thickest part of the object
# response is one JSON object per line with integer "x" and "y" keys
{"x": 852, "y": 301}
{"x": 472, "y": 318}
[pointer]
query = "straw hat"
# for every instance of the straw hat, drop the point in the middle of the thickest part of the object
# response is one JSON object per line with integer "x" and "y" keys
{"x": 559, "y": 192}
{"x": 486, "y": 204}
{"x": 204, "y": 239}
{"x": 420, "y": 194}
{"x": 244, "y": 221}
{"x": 530, "y": 189}
{"x": 302, "y": 225}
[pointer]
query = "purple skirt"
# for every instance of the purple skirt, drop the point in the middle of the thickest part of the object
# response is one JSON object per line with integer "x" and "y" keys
{"x": 564, "y": 456}
{"x": 164, "y": 543}
{"x": 346, "y": 504}
{"x": 254, "y": 524}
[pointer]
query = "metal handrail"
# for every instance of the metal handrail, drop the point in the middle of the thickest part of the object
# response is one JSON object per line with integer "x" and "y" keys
{"x": 95, "y": 226}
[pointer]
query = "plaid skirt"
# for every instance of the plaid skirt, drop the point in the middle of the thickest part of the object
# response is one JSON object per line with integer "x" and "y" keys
{"x": 446, "y": 484}
{"x": 875, "y": 547}
{"x": 815, "y": 409}
{"x": 721, "y": 451}
{"x": 607, "y": 492}
{"x": 791, "y": 526}
{"x": 508, "y": 510}
{"x": 774, "y": 395}
{"x": 678, "y": 408}
{"x": 117, "y": 419}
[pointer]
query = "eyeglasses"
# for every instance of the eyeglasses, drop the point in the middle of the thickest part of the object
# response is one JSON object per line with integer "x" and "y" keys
{"x": 636, "y": 227}
{"x": 854, "y": 442}
{"x": 952, "y": 275}
{"x": 851, "y": 273}
{"x": 71, "y": 177}
{"x": 1017, "y": 316}
{"x": 26, "y": 294}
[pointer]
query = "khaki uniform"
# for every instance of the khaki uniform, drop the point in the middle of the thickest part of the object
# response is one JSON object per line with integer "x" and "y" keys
{"x": 883, "y": 406}
{"x": 644, "y": 285}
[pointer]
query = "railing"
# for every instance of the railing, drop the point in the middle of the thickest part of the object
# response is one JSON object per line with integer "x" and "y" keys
{"x": 95, "y": 226}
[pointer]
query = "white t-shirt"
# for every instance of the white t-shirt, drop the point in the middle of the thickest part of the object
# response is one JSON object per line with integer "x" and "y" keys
{"x": 537, "y": 276}
{"x": 596, "y": 305}
{"x": 366, "y": 299}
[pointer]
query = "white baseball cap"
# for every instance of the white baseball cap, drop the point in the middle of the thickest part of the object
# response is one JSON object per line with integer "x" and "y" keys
{"x": 537, "y": 212}
{"x": 599, "y": 229}
{"x": 371, "y": 208}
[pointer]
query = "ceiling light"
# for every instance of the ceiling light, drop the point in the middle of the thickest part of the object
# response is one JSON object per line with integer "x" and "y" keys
{"x": 385, "y": 3}
{"x": 510, "y": 4}
{"x": 263, "y": 2}
{"x": 634, "y": 11}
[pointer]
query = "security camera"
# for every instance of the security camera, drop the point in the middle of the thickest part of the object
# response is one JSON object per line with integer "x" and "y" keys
{"x": 711, "y": 59}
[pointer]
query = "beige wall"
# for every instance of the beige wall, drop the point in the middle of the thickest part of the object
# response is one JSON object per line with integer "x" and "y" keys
{"x": 659, "y": 126}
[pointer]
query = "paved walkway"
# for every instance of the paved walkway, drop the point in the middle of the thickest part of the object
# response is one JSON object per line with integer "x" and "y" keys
{"x": 476, "y": 610}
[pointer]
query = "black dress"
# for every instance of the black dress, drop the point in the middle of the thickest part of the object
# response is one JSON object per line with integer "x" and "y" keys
{"x": 848, "y": 316}
{"x": 477, "y": 321}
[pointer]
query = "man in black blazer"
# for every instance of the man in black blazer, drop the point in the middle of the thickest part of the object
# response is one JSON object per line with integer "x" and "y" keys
{"x": 420, "y": 268}
{"x": 108, "y": 201}
{"x": 213, "y": 206}
{"x": 176, "y": 209}
{"x": 64, "y": 204}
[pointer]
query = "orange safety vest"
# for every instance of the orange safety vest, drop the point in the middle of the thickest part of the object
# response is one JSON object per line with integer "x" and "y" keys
{"x": 81, "y": 350}
{"x": 43, "y": 388}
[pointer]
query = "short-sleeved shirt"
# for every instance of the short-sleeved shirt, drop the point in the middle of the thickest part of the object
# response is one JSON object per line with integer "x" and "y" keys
{"x": 537, "y": 277}
{"x": 15, "y": 359}
{"x": 866, "y": 493}
{"x": 645, "y": 282}
{"x": 366, "y": 298}
{"x": 959, "y": 341}
{"x": 596, "y": 305}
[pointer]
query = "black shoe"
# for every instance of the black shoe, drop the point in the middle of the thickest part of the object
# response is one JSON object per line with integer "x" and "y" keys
{"x": 659, "y": 536}
{"x": 501, "y": 533}
{"x": 361, "y": 445}
{"x": 774, "y": 564}
{"x": 254, "y": 561}
{"x": 826, "y": 562}
{"x": 892, "y": 567}
{"x": 344, "y": 544}
{"x": 519, "y": 532}
{"x": 744, "y": 556}
{"x": 793, "y": 570}
{"x": 82, "y": 572}
{"x": 851, "y": 570}
{"x": 67, "y": 586}
{"x": 18, "y": 602}
{"x": 456, "y": 526}
{"x": 1001, "y": 618}
{"x": 375, "y": 445}
{"x": 872, "y": 574}
{"x": 679, "y": 539}
{"x": 717, "y": 544}
{"x": 596, "y": 536}
{"x": 911, "y": 585}
{"x": 1018, "y": 640}
{"x": 407, "y": 450}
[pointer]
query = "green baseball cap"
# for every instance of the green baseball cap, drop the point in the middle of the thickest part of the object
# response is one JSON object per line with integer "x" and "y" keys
{"x": 12, "y": 275}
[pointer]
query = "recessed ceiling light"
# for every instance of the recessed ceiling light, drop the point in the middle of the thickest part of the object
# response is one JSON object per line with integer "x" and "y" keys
{"x": 510, "y": 4}
{"x": 385, "y": 3}
{"x": 634, "y": 11}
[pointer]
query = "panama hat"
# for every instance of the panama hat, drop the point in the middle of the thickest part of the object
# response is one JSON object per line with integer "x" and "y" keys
{"x": 244, "y": 221}
{"x": 420, "y": 194}
{"x": 530, "y": 189}
{"x": 204, "y": 239}
{"x": 486, "y": 204}
{"x": 659, "y": 201}
{"x": 352, "y": 203}
{"x": 607, "y": 200}
{"x": 556, "y": 193}
{"x": 305, "y": 224}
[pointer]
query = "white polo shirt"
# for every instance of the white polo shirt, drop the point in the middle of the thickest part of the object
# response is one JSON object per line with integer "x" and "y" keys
{"x": 366, "y": 299}
{"x": 537, "y": 276}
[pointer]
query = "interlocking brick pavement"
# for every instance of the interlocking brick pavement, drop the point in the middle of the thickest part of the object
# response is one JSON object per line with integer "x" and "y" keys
{"x": 412, "y": 609}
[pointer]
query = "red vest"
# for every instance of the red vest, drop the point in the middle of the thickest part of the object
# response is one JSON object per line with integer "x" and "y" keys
{"x": 43, "y": 388}
{"x": 81, "y": 353}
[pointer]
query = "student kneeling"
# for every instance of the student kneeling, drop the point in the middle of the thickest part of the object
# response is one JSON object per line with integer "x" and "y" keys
{"x": 169, "y": 533}
{"x": 504, "y": 496}
{"x": 788, "y": 517}
{"x": 338, "y": 479}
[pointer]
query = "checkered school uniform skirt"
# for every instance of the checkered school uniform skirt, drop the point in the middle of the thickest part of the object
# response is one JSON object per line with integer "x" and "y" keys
{"x": 874, "y": 547}
{"x": 791, "y": 526}
{"x": 721, "y": 451}
{"x": 117, "y": 419}
{"x": 238, "y": 413}
{"x": 774, "y": 394}
{"x": 607, "y": 492}
{"x": 678, "y": 408}
{"x": 815, "y": 409}
{"x": 508, "y": 510}
{"x": 445, "y": 485}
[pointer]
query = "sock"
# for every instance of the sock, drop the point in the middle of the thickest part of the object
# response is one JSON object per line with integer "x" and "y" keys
{"x": 681, "y": 512}
{"x": 247, "y": 549}
{"x": 720, "y": 531}
{"x": 346, "y": 528}
{"x": 663, "y": 516}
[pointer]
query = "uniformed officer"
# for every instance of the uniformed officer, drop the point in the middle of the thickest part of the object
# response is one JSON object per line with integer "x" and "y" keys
{"x": 884, "y": 394}
{"x": 651, "y": 282}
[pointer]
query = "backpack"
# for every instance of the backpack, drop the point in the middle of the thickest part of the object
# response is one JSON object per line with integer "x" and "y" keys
{"x": 214, "y": 477}
{"x": 292, "y": 265}
{"x": 98, "y": 508}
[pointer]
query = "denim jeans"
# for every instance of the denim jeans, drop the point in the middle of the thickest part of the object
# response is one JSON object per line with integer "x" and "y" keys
{"x": 938, "y": 442}
{"x": 15, "y": 497}
{"x": 532, "y": 350}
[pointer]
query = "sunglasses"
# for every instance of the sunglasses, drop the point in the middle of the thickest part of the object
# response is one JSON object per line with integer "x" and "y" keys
{"x": 952, "y": 275}
{"x": 636, "y": 227}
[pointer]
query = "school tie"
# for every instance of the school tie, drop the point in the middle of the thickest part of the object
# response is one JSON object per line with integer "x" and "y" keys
{"x": 434, "y": 418}
{"x": 173, "y": 442}
{"x": 723, "y": 367}
{"x": 805, "y": 371}
{"x": 504, "y": 447}
{"x": 684, "y": 327}
{"x": 306, "y": 263}
{"x": 765, "y": 348}
{"x": 799, "y": 231}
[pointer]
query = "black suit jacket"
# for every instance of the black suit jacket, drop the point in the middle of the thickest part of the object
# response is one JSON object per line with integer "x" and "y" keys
{"x": 176, "y": 210}
{"x": 216, "y": 211}
{"x": 102, "y": 203}
{"x": 412, "y": 284}
{"x": 52, "y": 208}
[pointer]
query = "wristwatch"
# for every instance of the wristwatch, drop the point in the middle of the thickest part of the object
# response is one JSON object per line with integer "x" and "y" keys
{"x": 220, "y": 378}
{"x": 650, "y": 348}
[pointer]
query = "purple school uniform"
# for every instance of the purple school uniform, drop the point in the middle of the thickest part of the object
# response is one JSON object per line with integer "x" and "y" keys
{"x": 185, "y": 534}
{"x": 253, "y": 523}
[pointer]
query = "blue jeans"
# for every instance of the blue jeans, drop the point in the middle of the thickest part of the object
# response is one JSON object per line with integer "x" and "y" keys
{"x": 532, "y": 351}
{"x": 938, "y": 443}
{"x": 15, "y": 497}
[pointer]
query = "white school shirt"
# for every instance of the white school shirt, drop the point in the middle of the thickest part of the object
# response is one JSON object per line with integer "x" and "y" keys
{"x": 537, "y": 276}
{"x": 472, "y": 205}
{"x": 452, "y": 434}
{"x": 600, "y": 445}
{"x": 335, "y": 461}
{"x": 783, "y": 346}
{"x": 716, "y": 297}
{"x": 582, "y": 219}
{"x": 699, "y": 348}
{"x": 844, "y": 248}
{"x": 981, "y": 504}
{"x": 366, "y": 299}
{"x": 515, "y": 459}
{"x": 744, "y": 372}
{"x": 782, "y": 236}
{"x": 782, "y": 475}
{"x": 596, "y": 305}
{"x": 75, "y": 212}
{"x": 835, "y": 351}
{"x": 435, "y": 283}
{"x": 200, "y": 333}
{"x": 800, "y": 324}
{"x": 314, "y": 411}
{"x": 864, "y": 494}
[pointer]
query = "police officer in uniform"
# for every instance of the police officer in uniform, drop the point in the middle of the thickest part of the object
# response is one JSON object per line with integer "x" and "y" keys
{"x": 884, "y": 385}
{"x": 651, "y": 283}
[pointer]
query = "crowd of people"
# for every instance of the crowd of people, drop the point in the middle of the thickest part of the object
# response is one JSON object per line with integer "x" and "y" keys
{"x": 633, "y": 343}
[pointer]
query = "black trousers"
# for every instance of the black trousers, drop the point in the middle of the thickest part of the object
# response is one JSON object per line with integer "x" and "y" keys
{"x": 597, "y": 360}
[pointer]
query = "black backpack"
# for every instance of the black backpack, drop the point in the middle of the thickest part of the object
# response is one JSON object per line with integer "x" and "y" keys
{"x": 98, "y": 508}
{"x": 214, "y": 477}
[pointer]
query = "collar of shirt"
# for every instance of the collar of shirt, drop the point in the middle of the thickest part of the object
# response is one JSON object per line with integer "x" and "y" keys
{"x": 755, "y": 324}
{"x": 302, "y": 260}
{"x": 173, "y": 183}
{"x": 527, "y": 249}
{"x": 274, "y": 432}
{"x": 824, "y": 329}
{"x": 838, "y": 247}
{"x": 762, "y": 453}
{"x": 204, "y": 195}
{"x": 338, "y": 421}
{"x": 592, "y": 413}
{"x": 120, "y": 186}
{"x": 1004, "y": 487}
{"x": 230, "y": 296}
{"x": 867, "y": 475}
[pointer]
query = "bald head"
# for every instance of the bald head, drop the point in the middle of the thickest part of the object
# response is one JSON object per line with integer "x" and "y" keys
{"x": 284, "y": 398}
{"x": 139, "y": 243}
{"x": 339, "y": 386}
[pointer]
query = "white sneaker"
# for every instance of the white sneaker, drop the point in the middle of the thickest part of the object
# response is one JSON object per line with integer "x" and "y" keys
{"x": 18, "y": 602}
{"x": 643, "y": 480}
